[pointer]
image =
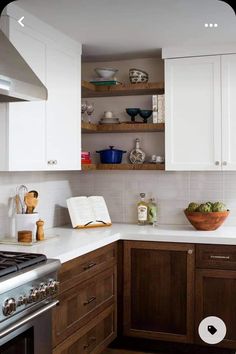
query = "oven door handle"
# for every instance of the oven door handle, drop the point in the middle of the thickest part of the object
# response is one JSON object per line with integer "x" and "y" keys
{"x": 28, "y": 318}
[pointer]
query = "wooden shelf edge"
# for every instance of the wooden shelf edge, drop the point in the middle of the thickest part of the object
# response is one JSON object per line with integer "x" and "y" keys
{"x": 124, "y": 167}
{"x": 126, "y": 89}
{"x": 88, "y": 167}
{"x": 89, "y": 127}
{"x": 122, "y": 128}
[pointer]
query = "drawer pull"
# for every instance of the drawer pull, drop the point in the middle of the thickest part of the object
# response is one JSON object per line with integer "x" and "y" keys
{"x": 93, "y": 298}
{"x": 90, "y": 265}
{"x": 220, "y": 257}
{"x": 90, "y": 341}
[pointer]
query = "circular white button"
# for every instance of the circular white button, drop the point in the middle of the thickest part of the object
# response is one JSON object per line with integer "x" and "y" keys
{"x": 212, "y": 330}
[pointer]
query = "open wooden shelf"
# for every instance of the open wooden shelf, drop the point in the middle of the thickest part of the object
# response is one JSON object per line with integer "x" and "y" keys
{"x": 88, "y": 167}
{"x": 124, "y": 166}
{"x": 90, "y": 90}
{"x": 122, "y": 128}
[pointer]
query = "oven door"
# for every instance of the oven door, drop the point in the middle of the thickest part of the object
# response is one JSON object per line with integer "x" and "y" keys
{"x": 30, "y": 334}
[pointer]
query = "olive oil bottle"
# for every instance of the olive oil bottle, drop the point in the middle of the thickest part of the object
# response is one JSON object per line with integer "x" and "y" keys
{"x": 142, "y": 209}
{"x": 152, "y": 212}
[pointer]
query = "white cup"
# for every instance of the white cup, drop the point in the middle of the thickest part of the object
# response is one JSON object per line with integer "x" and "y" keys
{"x": 27, "y": 222}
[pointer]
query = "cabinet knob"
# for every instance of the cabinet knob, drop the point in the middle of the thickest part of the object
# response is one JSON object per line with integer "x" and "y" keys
{"x": 190, "y": 251}
{"x": 224, "y": 163}
{"x": 50, "y": 162}
{"x": 54, "y": 162}
{"x": 217, "y": 163}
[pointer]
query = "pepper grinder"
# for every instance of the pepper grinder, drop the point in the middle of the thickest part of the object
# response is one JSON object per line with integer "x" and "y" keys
{"x": 40, "y": 230}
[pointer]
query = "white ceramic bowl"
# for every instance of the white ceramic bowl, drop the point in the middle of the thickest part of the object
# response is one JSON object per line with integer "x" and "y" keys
{"x": 106, "y": 73}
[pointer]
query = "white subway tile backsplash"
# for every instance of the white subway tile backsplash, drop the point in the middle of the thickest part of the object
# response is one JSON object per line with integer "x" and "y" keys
{"x": 172, "y": 190}
{"x": 53, "y": 187}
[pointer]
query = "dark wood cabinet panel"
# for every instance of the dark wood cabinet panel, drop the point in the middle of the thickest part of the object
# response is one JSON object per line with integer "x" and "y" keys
{"x": 92, "y": 338}
{"x": 216, "y": 256}
{"x": 82, "y": 303}
{"x": 215, "y": 296}
{"x": 158, "y": 290}
{"x": 81, "y": 268}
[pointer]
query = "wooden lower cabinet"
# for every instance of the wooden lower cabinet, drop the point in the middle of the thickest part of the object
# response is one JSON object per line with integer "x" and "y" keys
{"x": 158, "y": 290}
{"x": 92, "y": 338}
{"x": 85, "y": 320}
{"x": 216, "y": 296}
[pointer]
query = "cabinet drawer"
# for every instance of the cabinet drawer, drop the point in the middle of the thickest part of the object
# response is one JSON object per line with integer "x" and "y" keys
{"x": 216, "y": 256}
{"x": 93, "y": 338}
{"x": 82, "y": 303}
{"x": 84, "y": 267}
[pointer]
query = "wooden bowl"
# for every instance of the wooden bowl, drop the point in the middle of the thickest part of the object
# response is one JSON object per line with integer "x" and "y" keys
{"x": 206, "y": 221}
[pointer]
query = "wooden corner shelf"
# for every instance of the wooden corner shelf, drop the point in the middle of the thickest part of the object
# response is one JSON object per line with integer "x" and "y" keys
{"x": 122, "y": 128}
{"x": 124, "y": 166}
{"x": 90, "y": 90}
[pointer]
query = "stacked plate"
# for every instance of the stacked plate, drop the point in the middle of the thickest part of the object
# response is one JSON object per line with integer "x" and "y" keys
{"x": 105, "y": 120}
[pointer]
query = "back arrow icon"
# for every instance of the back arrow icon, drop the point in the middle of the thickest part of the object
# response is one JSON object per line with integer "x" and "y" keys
{"x": 20, "y": 21}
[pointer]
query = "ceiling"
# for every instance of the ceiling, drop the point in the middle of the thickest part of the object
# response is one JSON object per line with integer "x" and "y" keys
{"x": 128, "y": 28}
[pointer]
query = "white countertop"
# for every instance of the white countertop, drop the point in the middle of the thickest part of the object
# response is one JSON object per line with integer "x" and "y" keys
{"x": 66, "y": 243}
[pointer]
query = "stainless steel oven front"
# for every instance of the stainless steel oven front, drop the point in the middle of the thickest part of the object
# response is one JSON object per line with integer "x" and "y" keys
{"x": 29, "y": 334}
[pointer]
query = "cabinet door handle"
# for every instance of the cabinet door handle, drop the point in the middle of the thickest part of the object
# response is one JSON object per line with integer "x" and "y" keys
{"x": 220, "y": 257}
{"x": 224, "y": 163}
{"x": 217, "y": 163}
{"x": 90, "y": 265}
{"x": 50, "y": 162}
{"x": 93, "y": 298}
{"x": 90, "y": 341}
{"x": 190, "y": 251}
{"x": 54, "y": 162}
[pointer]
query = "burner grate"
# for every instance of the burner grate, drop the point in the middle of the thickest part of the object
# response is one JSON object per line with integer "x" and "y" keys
{"x": 13, "y": 261}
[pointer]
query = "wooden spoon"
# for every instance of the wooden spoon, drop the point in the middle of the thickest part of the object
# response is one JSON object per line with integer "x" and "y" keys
{"x": 31, "y": 202}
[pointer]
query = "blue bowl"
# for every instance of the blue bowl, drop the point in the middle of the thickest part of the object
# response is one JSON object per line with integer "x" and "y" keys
{"x": 132, "y": 112}
{"x": 145, "y": 114}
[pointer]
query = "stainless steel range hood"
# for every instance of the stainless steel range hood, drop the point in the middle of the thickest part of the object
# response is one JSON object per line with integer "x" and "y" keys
{"x": 17, "y": 80}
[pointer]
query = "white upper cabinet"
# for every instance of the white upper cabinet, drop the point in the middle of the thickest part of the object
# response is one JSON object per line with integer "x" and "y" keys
{"x": 193, "y": 113}
{"x": 229, "y": 112}
{"x": 63, "y": 113}
{"x": 200, "y": 113}
{"x": 26, "y": 120}
{"x": 43, "y": 135}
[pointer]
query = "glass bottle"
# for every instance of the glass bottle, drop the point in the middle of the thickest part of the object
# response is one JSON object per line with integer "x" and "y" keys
{"x": 152, "y": 212}
{"x": 142, "y": 208}
{"x": 137, "y": 155}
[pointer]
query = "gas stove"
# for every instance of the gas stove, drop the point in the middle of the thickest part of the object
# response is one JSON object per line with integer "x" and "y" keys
{"x": 27, "y": 281}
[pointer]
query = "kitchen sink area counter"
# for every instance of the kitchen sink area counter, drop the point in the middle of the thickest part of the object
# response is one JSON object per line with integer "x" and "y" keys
{"x": 65, "y": 243}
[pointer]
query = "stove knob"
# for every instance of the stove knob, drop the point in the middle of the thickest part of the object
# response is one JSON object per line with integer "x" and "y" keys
{"x": 34, "y": 295}
{"x": 53, "y": 286}
{"x": 22, "y": 301}
{"x": 9, "y": 306}
{"x": 43, "y": 290}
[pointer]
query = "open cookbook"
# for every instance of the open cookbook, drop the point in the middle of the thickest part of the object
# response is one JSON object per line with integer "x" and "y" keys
{"x": 88, "y": 212}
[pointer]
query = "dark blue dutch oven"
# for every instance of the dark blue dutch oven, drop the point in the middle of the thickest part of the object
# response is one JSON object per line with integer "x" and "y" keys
{"x": 111, "y": 155}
